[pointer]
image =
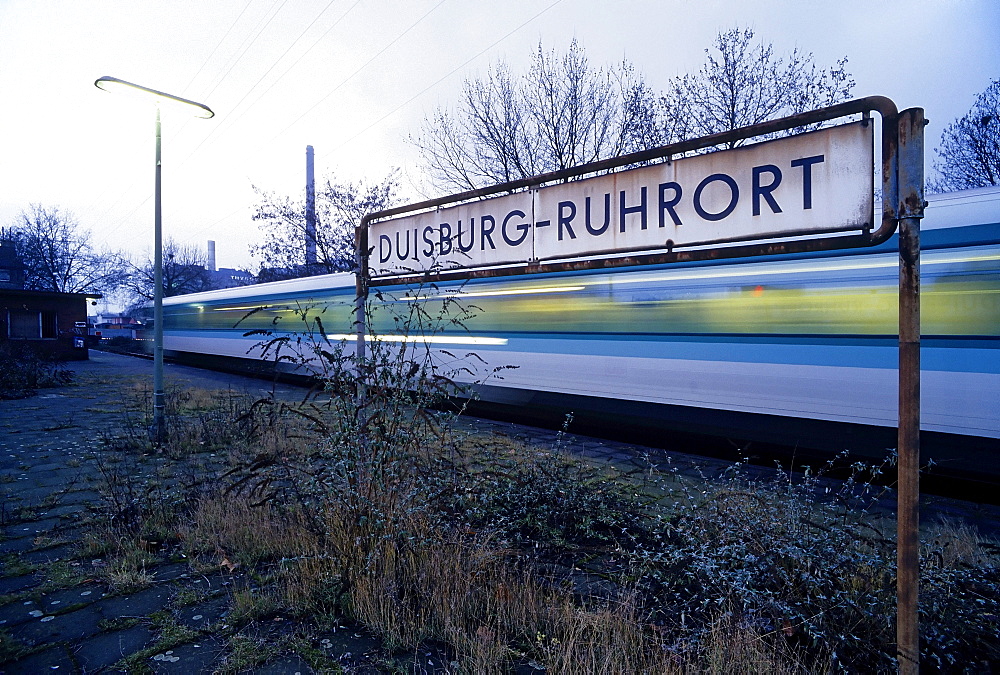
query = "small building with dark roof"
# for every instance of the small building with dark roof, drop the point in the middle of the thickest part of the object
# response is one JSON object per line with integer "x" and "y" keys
{"x": 54, "y": 325}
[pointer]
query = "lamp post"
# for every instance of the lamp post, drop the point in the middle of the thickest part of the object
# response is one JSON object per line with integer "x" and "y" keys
{"x": 113, "y": 84}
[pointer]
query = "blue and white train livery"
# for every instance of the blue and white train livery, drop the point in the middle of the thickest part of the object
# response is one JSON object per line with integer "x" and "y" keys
{"x": 785, "y": 339}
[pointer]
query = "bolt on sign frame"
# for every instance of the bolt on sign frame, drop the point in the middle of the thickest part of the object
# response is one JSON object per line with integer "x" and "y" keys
{"x": 902, "y": 208}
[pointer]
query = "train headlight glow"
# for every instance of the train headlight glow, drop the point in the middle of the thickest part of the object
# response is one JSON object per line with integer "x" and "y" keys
{"x": 243, "y": 307}
{"x": 423, "y": 339}
{"x": 498, "y": 293}
{"x": 946, "y": 259}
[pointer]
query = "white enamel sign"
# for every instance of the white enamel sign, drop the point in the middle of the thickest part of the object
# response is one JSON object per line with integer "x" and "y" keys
{"x": 813, "y": 183}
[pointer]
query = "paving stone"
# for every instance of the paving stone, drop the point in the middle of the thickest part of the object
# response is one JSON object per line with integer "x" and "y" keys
{"x": 52, "y": 469}
{"x": 18, "y": 545}
{"x": 426, "y": 662}
{"x": 63, "y": 510}
{"x": 528, "y": 668}
{"x": 594, "y": 453}
{"x": 70, "y": 626}
{"x": 30, "y": 492}
{"x": 143, "y": 603}
{"x": 54, "y": 660}
{"x": 204, "y": 614}
{"x": 106, "y": 649}
{"x": 213, "y": 582}
{"x": 81, "y": 497}
{"x": 30, "y": 528}
{"x": 193, "y": 657}
{"x": 50, "y": 554}
{"x": 20, "y": 611}
{"x": 69, "y": 532}
{"x": 171, "y": 572}
{"x": 349, "y": 641}
{"x": 17, "y": 584}
{"x": 57, "y": 601}
{"x": 292, "y": 664}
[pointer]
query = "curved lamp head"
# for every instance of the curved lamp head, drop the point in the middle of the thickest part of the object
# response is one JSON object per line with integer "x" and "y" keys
{"x": 113, "y": 84}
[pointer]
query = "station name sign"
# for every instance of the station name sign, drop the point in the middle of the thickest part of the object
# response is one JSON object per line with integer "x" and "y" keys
{"x": 812, "y": 183}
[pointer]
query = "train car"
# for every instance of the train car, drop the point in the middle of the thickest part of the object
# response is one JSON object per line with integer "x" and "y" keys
{"x": 799, "y": 349}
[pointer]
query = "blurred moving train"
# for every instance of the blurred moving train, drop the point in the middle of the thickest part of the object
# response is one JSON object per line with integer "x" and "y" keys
{"x": 799, "y": 349}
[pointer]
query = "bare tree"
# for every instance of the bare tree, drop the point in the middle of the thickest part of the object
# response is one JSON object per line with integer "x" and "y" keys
{"x": 969, "y": 155}
{"x": 743, "y": 82}
{"x": 339, "y": 209}
{"x": 184, "y": 271}
{"x": 58, "y": 255}
{"x": 562, "y": 113}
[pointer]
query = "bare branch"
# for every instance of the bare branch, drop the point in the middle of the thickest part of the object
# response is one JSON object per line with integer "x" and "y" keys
{"x": 743, "y": 83}
{"x": 969, "y": 155}
{"x": 339, "y": 209}
{"x": 58, "y": 256}
{"x": 562, "y": 113}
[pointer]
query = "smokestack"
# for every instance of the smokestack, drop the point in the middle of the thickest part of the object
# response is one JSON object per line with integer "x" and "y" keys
{"x": 211, "y": 255}
{"x": 310, "y": 208}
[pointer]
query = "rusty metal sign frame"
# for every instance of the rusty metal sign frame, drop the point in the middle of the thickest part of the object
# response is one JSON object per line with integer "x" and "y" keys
{"x": 884, "y": 106}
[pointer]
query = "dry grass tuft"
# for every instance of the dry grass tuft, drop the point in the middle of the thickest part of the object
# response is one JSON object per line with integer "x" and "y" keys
{"x": 230, "y": 527}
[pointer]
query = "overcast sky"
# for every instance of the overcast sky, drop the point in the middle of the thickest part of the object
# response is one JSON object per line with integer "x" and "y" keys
{"x": 354, "y": 78}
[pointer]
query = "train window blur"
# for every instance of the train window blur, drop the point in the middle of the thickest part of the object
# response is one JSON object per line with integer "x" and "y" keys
{"x": 805, "y": 336}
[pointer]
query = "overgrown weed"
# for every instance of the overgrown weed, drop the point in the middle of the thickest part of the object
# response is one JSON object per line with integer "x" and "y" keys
{"x": 23, "y": 371}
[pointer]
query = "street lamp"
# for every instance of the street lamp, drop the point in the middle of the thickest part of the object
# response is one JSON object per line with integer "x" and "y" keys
{"x": 113, "y": 84}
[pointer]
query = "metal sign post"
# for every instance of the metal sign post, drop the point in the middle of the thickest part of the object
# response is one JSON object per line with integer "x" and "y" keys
{"x": 911, "y": 210}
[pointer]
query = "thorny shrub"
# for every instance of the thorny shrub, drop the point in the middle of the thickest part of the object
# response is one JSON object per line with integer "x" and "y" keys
{"x": 378, "y": 425}
{"x": 23, "y": 371}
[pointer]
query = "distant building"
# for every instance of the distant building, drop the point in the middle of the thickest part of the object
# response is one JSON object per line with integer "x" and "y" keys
{"x": 268, "y": 274}
{"x": 227, "y": 277}
{"x": 116, "y": 319}
{"x": 11, "y": 268}
{"x": 54, "y": 325}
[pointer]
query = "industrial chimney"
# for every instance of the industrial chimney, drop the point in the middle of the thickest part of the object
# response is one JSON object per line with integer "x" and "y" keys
{"x": 310, "y": 208}
{"x": 211, "y": 256}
